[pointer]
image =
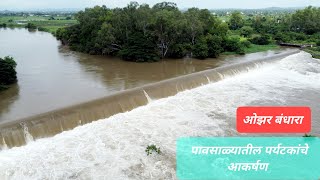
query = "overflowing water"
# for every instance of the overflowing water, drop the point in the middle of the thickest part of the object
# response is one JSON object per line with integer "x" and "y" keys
{"x": 53, "y": 122}
{"x": 114, "y": 148}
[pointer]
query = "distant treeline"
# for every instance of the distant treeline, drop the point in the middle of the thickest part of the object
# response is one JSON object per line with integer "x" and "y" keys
{"x": 144, "y": 33}
{"x": 253, "y": 12}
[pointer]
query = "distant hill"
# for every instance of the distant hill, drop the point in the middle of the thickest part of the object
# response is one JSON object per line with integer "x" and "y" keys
{"x": 259, "y": 9}
{"x": 269, "y": 10}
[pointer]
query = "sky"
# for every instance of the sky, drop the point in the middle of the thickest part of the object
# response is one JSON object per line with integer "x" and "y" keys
{"x": 208, "y": 4}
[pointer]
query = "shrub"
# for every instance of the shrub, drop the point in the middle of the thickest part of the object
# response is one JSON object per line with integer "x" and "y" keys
{"x": 261, "y": 40}
{"x": 43, "y": 29}
{"x": 300, "y": 37}
{"x": 232, "y": 44}
{"x": 246, "y": 31}
{"x": 318, "y": 43}
{"x": 4, "y": 25}
{"x": 281, "y": 38}
{"x": 308, "y": 135}
{"x": 296, "y": 36}
{"x": 245, "y": 43}
{"x": 241, "y": 50}
{"x": 152, "y": 148}
{"x": 31, "y": 26}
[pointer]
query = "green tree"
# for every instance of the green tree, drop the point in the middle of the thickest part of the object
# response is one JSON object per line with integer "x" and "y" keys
{"x": 236, "y": 21}
{"x": 8, "y": 74}
{"x": 105, "y": 40}
{"x": 194, "y": 25}
{"x": 306, "y": 20}
{"x": 31, "y": 26}
{"x": 163, "y": 30}
{"x": 214, "y": 44}
{"x": 139, "y": 49}
{"x": 201, "y": 49}
{"x": 220, "y": 30}
{"x": 166, "y": 28}
{"x": 233, "y": 44}
{"x": 281, "y": 37}
{"x": 261, "y": 39}
{"x": 246, "y": 31}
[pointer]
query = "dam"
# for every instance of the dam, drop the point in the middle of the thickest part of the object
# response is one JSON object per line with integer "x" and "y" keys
{"x": 114, "y": 147}
{"x": 19, "y": 132}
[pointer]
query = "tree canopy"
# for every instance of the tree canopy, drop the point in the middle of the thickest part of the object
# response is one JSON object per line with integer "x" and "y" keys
{"x": 8, "y": 74}
{"x": 306, "y": 20}
{"x": 139, "y": 32}
{"x": 143, "y": 33}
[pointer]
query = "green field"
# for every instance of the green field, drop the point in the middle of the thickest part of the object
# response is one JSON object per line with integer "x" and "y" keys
{"x": 42, "y": 22}
{"x": 256, "y": 48}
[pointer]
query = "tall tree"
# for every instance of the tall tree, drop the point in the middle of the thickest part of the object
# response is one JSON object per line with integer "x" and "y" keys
{"x": 236, "y": 21}
{"x": 8, "y": 74}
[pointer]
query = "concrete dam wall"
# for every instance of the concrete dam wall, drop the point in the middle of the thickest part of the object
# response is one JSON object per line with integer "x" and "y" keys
{"x": 20, "y": 132}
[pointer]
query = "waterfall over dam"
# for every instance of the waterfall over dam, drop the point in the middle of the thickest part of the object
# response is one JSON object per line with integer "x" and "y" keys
{"x": 20, "y": 132}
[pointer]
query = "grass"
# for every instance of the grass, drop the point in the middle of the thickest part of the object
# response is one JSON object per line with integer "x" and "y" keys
{"x": 152, "y": 148}
{"x": 259, "y": 48}
{"x": 40, "y": 21}
{"x": 256, "y": 48}
{"x": 314, "y": 51}
{"x": 307, "y": 41}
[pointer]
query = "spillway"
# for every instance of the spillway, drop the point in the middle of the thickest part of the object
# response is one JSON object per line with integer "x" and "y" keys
{"x": 22, "y": 131}
{"x": 114, "y": 147}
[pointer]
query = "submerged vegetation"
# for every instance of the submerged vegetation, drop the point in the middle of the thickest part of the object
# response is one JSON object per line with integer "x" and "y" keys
{"x": 142, "y": 33}
{"x": 308, "y": 135}
{"x": 8, "y": 72}
{"x": 152, "y": 148}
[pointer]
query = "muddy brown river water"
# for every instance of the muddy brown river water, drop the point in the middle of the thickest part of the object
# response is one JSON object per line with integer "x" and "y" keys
{"x": 52, "y": 77}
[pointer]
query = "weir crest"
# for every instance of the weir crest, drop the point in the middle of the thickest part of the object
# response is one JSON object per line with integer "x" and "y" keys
{"x": 20, "y": 132}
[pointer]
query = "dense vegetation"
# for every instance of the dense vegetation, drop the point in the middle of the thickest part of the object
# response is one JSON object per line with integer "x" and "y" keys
{"x": 144, "y": 33}
{"x": 8, "y": 74}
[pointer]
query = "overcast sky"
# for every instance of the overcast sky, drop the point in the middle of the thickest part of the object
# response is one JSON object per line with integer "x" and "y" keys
{"x": 209, "y": 4}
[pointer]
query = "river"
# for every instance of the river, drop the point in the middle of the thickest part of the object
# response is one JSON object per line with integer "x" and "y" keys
{"x": 52, "y": 77}
{"x": 113, "y": 148}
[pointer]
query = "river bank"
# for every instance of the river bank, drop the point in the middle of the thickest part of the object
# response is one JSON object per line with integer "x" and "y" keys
{"x": 315, "y": 52}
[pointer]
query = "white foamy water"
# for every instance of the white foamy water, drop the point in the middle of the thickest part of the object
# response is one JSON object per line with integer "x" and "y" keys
{"x": 114, "y": 148}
